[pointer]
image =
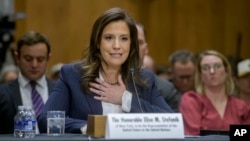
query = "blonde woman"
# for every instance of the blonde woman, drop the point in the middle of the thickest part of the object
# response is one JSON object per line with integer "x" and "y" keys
{"x": 212, "y": 107}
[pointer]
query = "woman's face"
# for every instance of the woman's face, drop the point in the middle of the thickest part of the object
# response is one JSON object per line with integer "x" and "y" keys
{"x": 213, "y": 72}
{"x": 115, "y": 44}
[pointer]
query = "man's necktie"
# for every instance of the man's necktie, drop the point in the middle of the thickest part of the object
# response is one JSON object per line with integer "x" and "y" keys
{"x": 36, "y": 99}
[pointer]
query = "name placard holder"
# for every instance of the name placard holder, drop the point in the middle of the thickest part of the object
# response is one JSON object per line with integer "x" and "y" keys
{"x": 96, "y": 126}
{"x": 144, "y": 126}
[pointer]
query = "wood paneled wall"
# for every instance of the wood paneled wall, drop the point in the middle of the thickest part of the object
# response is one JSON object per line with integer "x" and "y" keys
{"x": 195, "y": 25}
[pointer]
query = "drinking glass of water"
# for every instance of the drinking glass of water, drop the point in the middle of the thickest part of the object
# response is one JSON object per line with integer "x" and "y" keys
{"x": 55, "y": 123}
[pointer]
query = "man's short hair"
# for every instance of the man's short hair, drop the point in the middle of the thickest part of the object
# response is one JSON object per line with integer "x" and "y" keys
{"x": 182, "y": 56}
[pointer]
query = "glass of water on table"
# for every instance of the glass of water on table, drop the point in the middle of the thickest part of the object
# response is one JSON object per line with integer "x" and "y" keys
{"x": 55, "y": 123}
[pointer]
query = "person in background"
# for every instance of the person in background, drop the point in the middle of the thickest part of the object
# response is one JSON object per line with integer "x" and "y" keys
{"x": 212, "y": 107}
{"x": 55, "y": 71}
{"x": 170, "y": 94}
{"x": 182, "y": 67}
{"x": 148, "y": 63}
{"x": 243, "y": 80}
{"x": 9, "y": 73}
{"x": 32, "y": 57}
{"x": 143, "y": 45}
{"x": 163, "y": 72}
{"x": 106, "y": 80}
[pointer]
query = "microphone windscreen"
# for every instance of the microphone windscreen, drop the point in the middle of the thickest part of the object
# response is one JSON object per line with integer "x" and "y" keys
{"x": 132, "y": 70}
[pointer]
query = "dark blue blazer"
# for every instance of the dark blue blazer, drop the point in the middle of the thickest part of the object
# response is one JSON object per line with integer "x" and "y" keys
{"x": 10, "y": 99}
{"x": 68, "y": 95}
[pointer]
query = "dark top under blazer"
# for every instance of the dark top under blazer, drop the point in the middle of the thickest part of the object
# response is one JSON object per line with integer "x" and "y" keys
{"x": 68, "y": 96}
{"x": 10, "y": 99}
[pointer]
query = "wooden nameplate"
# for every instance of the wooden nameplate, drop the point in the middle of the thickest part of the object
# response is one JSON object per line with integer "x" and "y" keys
{"x": 96, "y": 125}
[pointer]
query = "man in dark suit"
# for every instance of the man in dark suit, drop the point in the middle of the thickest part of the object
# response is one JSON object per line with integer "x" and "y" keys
{"x": 32, "y": 56}
{"x": 167, "y": 89}
{"x": 182, "y": 67}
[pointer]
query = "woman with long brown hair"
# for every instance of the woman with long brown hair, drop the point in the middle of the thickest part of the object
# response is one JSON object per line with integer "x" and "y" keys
{"x": 108, "y": 80}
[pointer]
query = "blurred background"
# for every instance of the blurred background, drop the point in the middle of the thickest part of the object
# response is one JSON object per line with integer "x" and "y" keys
{"x": 196, "y": 25}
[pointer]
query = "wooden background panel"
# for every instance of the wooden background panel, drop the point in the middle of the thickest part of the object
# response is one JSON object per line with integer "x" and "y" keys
{"x": 160, "y": 30}
{"x": 237, "y": 28}
{"x": 170, "y": 24}
{"x": 50, "y": 18}
{"x": 66, "y": 23}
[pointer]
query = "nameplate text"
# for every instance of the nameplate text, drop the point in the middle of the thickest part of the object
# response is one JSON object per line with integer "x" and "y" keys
{"x": 144, "y": 126}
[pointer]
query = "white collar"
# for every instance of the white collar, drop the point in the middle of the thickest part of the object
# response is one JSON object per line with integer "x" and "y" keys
{"x": 23, "y": 81}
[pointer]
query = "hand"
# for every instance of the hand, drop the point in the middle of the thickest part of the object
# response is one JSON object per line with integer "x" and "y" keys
{"x": 108, "y": 93}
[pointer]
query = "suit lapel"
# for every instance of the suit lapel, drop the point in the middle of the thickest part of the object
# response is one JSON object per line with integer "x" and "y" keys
{"x": 95, "y": 105}
{"x": 50, "y": 84}
{"x": 15, "y": 94}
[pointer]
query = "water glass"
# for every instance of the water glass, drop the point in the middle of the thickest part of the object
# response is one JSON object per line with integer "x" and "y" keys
{"x": 55, "y": 123}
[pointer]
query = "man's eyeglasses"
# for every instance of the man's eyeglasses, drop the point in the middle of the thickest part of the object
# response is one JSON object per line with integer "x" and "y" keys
{"x": 207, "y": 68}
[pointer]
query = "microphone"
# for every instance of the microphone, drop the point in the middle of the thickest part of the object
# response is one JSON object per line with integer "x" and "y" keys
{"x": 132, "y": 71}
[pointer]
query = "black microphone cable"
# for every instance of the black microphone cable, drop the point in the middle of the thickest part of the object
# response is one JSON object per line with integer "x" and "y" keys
{"x": 137, "y": 95}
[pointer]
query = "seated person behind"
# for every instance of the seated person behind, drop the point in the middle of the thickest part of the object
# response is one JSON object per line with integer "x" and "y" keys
{"x": 212, "y": 107}
{"x": 243, "y": 80}
{"x": 148, "y": 63}
{"x": 32, "y": 56}
{"x": 182, "y": 70}
{"x": 166, "y": 88}
{"x": 9, "y": 73}
{"x": 55, "y": 71}
{"x": 163, "y": 72}
{"x": 102, "y": 83}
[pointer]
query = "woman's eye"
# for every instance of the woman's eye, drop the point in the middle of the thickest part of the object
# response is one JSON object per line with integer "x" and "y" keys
{"x": 217, "y": 66}
{"x": 205, "y": 68}
{"x": 108, "y": 37}
{"x": 124, "y": 38}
